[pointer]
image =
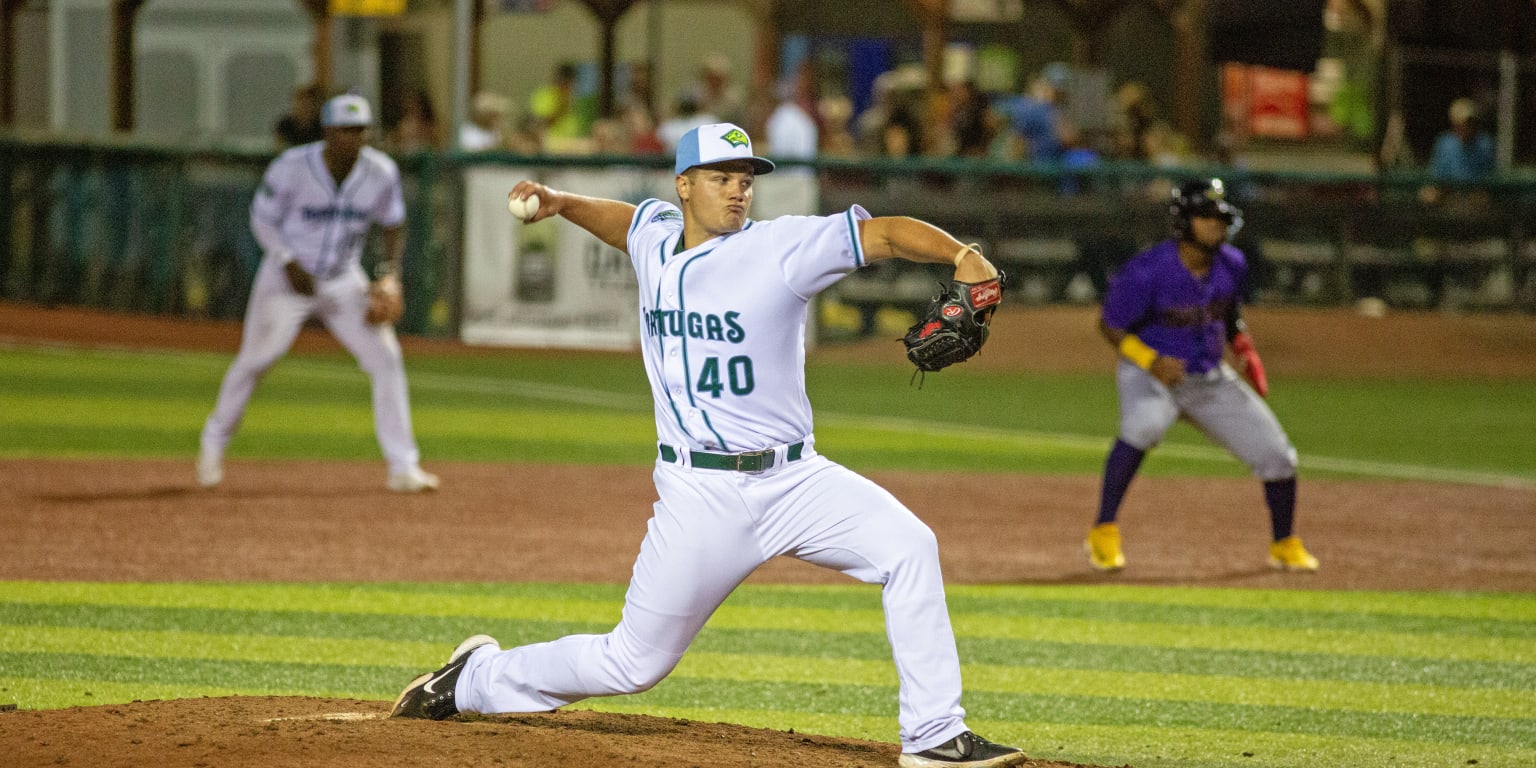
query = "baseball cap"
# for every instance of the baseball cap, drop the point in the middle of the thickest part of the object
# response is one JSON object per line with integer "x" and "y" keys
{"x": 346, "y": 111}
{"x": 717, "y": 143}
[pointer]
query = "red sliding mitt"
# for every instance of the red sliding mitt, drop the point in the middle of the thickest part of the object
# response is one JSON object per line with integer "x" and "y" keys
{"x": 1253, "y": 367}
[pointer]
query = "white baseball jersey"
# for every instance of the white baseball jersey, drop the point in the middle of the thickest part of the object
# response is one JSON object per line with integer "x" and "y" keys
{"x": 723, "y": 329}
{"x": 724, "y": 374}
{"x": 318, "y": 223}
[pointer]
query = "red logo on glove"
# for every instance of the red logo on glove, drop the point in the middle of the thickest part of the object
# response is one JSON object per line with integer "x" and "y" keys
{"x": 986, "y": 294}
{"x": 953, "y": 310}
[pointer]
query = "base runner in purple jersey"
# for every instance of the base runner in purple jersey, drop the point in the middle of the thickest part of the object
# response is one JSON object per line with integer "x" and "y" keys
{"x": 1171, "y": 312}
{"x": 739, "y": 480}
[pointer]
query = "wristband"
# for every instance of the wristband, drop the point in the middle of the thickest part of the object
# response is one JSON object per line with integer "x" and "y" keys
{"x": 1137, "y": 351}
{"x": 964, "y": 249}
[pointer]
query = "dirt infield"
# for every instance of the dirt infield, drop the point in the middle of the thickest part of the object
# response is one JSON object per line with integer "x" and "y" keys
{"x": 147, "y": 521}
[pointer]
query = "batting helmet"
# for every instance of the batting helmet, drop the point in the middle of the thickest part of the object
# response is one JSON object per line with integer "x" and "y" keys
{"x": 1206, "y": 197}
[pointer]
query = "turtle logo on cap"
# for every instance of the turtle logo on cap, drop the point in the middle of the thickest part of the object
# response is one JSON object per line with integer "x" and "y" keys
{"x": 736, "y": 138}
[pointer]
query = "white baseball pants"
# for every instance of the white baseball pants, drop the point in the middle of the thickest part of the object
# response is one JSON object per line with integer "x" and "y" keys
{"x": 273, "y": 317}
{"x": 710, "y": 530}
{"x": 1220, "y": 404}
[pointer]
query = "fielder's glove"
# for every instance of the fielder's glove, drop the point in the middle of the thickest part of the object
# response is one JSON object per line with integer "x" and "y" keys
{"x": 955, "y": 325}
{"x": 385, "y": 304}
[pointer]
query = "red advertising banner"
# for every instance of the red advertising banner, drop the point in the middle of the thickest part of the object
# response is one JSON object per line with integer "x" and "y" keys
{"x": 1268, "y": 103}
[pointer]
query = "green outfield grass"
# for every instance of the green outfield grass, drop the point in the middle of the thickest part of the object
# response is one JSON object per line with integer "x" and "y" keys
{"x": 1102, "y": 674}
{"x": 597, "y": 409}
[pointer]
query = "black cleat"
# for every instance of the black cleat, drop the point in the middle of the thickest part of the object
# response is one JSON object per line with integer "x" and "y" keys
{"x": 430, "y": 696}
{"x": 967, "y": 749}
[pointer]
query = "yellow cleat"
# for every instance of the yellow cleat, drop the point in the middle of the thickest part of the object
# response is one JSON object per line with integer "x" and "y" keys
{"x": 1103, "y": 547}
{"x": 1288, "y": 554}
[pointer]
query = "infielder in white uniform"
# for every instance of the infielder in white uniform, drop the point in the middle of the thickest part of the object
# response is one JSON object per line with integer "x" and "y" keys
{"x": 723, "y": 303}
{"x": 311, "y": 217}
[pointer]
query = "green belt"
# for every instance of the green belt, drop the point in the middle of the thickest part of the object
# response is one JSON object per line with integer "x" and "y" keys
{"x": 751, "y": 461}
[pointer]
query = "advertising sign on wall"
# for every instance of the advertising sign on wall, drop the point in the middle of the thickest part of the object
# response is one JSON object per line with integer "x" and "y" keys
{"x": 550, "y": 283}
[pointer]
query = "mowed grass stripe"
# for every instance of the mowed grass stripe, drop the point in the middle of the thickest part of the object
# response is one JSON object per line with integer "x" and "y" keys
{"x": 309, "y": 417}
{"x": 289, "y": 623}
{"x": 1317, "y": 668}
{"x": 1370, "y": 697}
{"x": 344, "y": 599}
{"x": 1439, "y": 700}
{"x": 1253, "y": 615}
{"x": 245, "y": 677}
{"x": 1465, "y": 605}
{"x": 198, "y": 646}
{"x": 322, "y": 598}
{"x": 867, "y": 700}
{"x": 1107, "y": 745}
{"x": 1520, "y": 607}
{"x": 54, "y": 693}
{"x": 378, "y": 682}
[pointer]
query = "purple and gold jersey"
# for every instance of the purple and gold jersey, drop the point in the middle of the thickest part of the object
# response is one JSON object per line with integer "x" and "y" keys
{"x": 1157, "y": 298}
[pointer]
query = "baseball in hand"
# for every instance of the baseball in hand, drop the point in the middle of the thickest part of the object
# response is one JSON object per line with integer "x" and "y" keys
{"x": 523, "y": 209}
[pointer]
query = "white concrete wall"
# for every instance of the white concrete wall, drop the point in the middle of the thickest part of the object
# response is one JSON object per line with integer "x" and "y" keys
{"x": 220, "y": 72}
{"x": 207, "y": 71}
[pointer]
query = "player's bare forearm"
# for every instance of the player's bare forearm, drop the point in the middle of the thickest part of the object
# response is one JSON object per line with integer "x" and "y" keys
{"x": 907, "y": 238}
{"x": 394, "y": 252}
{"x": 1168, "y": 370}
{"x": 606, "y": 219}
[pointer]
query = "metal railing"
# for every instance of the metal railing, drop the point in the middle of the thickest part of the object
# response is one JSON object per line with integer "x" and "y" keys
{"x": 165, "y": 230}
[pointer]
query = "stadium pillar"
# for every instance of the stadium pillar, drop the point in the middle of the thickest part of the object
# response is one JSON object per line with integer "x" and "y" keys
{"x": 320, "y": 15}
{"x": 123, "y": 14}
{"x": 1190, "y": 68}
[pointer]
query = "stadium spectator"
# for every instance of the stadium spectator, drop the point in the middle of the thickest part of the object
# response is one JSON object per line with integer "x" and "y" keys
{"x": 970, "y": 131}
{"x": 685, "y": 117}
{"x": 1463, "y": 152}
{"x": 417, "y": 129}
{"x": 716, "y": 93}
{"x": 1035, "y": 116}
{"x": 484, "y": 130}
{"x": 561, "y": 115}
{"x": 1134, "y": 116}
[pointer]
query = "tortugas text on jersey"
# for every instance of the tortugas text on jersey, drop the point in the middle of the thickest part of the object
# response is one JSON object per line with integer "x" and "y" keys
{"x": 671, "y": 322}
{"x": 332, "y": 212}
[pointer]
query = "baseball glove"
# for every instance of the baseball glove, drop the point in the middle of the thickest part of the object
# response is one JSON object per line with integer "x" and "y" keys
{"x": 955, "y": 325}
{"x": 385, "y": 304}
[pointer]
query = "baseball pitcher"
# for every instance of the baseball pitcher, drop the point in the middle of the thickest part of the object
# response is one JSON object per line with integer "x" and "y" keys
{"x": 723, "y": 304}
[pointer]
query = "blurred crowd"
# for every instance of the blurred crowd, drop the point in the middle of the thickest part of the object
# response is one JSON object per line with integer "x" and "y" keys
{"x": 905, "y": 114}
{"x": 798, "y": 117}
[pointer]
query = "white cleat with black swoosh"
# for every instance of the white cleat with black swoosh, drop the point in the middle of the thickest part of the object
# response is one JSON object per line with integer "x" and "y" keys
{"x": 430, "y": 696}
